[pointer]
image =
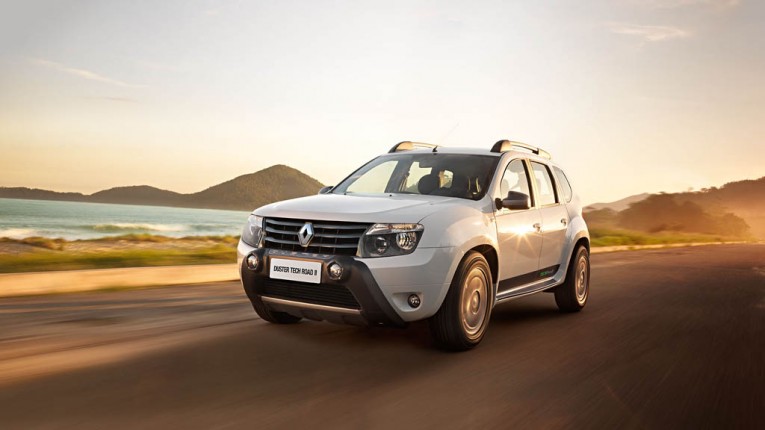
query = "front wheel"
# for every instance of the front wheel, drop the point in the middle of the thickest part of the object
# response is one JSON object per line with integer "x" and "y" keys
{"x": 461, "y": 322}
{"x": 572, "y": 294}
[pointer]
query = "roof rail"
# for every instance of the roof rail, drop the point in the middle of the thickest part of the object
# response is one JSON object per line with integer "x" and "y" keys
{"x": 408, "y": 146}
{"x": 509, "y": 145}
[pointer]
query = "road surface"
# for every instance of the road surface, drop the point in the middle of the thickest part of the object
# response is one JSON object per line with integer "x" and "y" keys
{"x": 670, "y": 339}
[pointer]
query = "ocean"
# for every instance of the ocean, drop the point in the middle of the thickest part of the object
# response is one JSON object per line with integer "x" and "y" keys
{"x": 74, "y": 220}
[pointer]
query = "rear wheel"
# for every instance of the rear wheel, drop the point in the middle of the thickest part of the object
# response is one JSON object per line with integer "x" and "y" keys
{"x": 461, "y": 322}
{"x": 572, "y": 294}
{"x": 272, "y": 316}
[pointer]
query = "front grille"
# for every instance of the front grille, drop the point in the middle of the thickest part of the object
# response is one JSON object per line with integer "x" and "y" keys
{"x": 329, "y": 237}
{"x": 318, "y": 294}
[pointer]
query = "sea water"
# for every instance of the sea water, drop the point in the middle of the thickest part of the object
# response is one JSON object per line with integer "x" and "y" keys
{"x": 74, "y": 220}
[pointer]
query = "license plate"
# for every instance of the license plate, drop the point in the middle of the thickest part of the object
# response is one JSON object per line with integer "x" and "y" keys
{"x": 295, "y": 270}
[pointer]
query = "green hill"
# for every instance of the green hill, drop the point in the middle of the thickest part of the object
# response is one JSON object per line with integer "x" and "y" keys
{"x": 245, "y": 192}
{"x": 248, "y": 192}
{"x": 618, "y": 205}
{"x": 138, "y": 195}
{"x": 734, "y": 210}
{"x": 744, "y": 198}
{"x": 38, "y": 194}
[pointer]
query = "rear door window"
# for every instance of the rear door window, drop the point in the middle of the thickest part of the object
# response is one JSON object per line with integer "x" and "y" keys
{"x": 545, "y": 186}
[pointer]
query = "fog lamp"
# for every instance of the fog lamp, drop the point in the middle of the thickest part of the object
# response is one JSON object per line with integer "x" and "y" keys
{"x": 253, "y": 262}
{"x": 414, "y": 301}
{"x": 335, "y": 271}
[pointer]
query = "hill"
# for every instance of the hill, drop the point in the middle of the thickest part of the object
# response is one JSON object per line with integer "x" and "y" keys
{"x": 618, "y": 205}
{"x": 735, "y": 209}
{"x": 744, "y": 198}
{"x": 245, "y": 192}
{"x": 138, "y": 195}
{"x": 275, "y": 183}
{"x": 38, "y": 194}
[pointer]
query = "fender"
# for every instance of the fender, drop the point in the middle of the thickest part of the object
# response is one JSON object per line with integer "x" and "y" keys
{"x": 463, "y": 228}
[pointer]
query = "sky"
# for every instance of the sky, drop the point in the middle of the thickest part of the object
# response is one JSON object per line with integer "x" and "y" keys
{"x": 628, "y": 96}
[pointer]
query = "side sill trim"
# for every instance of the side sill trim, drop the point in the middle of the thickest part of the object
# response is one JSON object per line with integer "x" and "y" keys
{"x": 526, "y": 290}
{"x": 310, "y": 306}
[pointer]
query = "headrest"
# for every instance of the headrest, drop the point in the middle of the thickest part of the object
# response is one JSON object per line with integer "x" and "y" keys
{"x": 428, "y": 183}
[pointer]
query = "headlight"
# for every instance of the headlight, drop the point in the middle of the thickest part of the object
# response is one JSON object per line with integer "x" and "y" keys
{"x": 386, "y": 240}
{"x": 253, "y": 231}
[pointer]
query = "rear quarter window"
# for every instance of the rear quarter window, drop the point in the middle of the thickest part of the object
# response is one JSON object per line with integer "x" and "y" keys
{"x": 565, "y": 186}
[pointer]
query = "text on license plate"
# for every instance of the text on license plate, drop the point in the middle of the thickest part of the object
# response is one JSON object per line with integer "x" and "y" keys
{"x": 296, "y": 270}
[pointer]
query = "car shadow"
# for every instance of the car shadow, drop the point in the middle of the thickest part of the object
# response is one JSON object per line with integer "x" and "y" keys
{"x": 529, "y": 311}
{"x": 526, "y": 310}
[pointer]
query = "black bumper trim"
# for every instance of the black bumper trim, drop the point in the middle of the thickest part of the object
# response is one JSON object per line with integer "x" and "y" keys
{"x": 358, "y": 279}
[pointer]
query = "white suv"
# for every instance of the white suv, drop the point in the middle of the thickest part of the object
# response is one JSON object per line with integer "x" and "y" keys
{"x": 422, "y": 232}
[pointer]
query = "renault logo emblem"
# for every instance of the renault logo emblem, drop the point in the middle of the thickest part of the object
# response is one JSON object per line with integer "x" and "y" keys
{"x": 305, "y": 234}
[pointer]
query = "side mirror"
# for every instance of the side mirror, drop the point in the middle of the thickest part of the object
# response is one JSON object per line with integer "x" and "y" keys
{"x": 325, "y": 190}
{"x": 515, "y": 200}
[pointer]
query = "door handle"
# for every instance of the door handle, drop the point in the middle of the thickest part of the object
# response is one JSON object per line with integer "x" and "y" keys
{"x": 563, "y": 221}
{"x": 537, "y": 227}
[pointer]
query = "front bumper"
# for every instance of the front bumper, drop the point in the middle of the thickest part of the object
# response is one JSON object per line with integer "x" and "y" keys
{"x": 379, "y": 286}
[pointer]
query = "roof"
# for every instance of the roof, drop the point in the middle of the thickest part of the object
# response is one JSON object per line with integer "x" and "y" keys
{"x": 499, "y": 148}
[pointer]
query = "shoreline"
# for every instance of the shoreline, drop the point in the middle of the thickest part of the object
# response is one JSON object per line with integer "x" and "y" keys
{"x": 74, "y": 281}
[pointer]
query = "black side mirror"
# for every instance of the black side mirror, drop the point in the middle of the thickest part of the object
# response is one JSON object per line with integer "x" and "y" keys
{"x": 325, "y": 190}
{"x": 515, "y": 201}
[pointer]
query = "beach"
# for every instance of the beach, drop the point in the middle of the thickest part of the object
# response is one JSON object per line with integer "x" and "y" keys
{"x": 44, "y": 266}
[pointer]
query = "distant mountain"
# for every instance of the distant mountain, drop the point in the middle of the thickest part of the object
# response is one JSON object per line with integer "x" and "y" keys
{"x": 618, "y": 205}
{"x": 275, "y": 183}
{"x": 139, "y": 195}
{"x": 744, "y": 199}
{"x": 245, "y": 192}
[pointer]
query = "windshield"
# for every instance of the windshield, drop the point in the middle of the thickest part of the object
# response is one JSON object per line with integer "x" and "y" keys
{"x": 433, "y": 173}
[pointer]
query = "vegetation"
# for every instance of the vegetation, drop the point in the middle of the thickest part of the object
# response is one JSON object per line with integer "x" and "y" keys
{"x": 736, "y": 208}
{"x": 40, "y": 242}
{"x": 44, "y": 262}
{"x": 142, "y": 250}
{"x": 662, "y": 212}
{"x": 661, "y": 219}
{"x": 618, "y": 237}
{"x": 745, "y": 198}
{"x": 40, "y": 254}
{"x": 230, "y": 240}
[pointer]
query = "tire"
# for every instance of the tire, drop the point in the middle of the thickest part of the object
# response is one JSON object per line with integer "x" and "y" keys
{"x": 572, "y": 294}
{"x": 272, "y": 316}
{"x": 461, "y": 321}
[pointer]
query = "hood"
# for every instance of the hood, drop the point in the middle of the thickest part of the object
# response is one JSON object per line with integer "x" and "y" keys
{"x": 384, "y": 208}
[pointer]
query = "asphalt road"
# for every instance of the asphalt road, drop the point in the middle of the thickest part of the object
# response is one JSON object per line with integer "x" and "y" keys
{"x": 670, "y": 339}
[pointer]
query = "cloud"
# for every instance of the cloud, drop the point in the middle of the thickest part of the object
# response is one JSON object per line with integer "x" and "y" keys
{"x": 152, "y": 65}
{"x": 82, "y": 73}
{"x": 649, "y": 33}
{"x": 671, "y": 4}
{"x": 115, "y": 99}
